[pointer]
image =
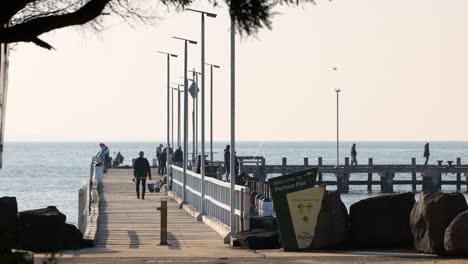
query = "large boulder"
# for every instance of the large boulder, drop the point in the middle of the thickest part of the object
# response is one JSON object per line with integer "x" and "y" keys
{"x": 456, "y": 235}
{"x": 332, "y": 230}
{"x": 259, "y": 239}
{"x": 71, "y": 237}
{"x": 42, "y": 229}
{"x": 382, "y": 221}
{"x": 8, "y": 223}
{"x": 430, "y": 217}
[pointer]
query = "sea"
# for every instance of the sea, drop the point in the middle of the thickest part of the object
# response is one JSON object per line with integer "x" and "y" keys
{"x": 40, "y": 174}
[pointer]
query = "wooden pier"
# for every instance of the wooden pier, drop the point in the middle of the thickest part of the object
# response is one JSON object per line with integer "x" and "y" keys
{"x": 130, "y": 227}
{"x": 430, "y": 177}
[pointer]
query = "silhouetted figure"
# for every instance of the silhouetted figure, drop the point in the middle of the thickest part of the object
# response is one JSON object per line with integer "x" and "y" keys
{"x": 119, "y": 158}
{"x": 163, "y": 160}
{"x": 227, "y": 161}
{"x": 107, "y": 158}
{"x": 426, "y": 153}
{"x": 353, "y": 155}
{"x": 179, "y": 157}
{"x": 159, "y": 150}
{"x": 141, "y": 169}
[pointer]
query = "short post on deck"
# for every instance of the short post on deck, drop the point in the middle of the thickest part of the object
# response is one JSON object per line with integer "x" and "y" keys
{"x": 163, "y": 210}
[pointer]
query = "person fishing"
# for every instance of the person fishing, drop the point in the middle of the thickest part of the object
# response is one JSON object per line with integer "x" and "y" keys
{"x": 141, "y": 169}
{"x": 426, "y": 153}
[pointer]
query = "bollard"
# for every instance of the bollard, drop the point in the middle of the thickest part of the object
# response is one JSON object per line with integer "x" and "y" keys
{"x": 163, "y": 209}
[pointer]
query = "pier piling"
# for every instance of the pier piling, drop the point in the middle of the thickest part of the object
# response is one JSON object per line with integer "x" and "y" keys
{"x": 369, "y": 176}
{"x": 458, "y": 175}
{"x": 413, "y": 174}
{"x": 320, "y": 176}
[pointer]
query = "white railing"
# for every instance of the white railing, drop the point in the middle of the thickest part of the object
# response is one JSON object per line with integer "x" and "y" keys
{"x": 88, "y": 202}
{"x": 217, "y": 197}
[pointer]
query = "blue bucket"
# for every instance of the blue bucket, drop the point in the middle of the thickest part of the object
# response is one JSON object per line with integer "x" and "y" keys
{"x": 151, "y": 187}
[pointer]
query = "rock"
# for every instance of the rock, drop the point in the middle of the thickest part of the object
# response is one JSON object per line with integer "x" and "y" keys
{"x": 259, "y": 239}
{"x": 71, "y": 237}
{"x": 8, "y": 223}
{"x": 332, "y": 228}
{"x": 382, "y": 221}
{"x": 266, "y": 223}
{"x": 41, "y": 229}
{"x": 456, "y": 235}
{"x": 430, "y": 217}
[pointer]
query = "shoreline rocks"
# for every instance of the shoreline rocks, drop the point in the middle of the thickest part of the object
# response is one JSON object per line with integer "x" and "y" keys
{"x": 430, "y": 217}
{"x": 456, "y": 236}
{"x": 382, "y": 221}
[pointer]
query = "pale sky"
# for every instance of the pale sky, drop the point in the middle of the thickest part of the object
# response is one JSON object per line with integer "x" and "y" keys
{"x": 402, "y": 68}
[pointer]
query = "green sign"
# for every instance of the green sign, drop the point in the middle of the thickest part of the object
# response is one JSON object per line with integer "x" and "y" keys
{"x": 297, "y": 204}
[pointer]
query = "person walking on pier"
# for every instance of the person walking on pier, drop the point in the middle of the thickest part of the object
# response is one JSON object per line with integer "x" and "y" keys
{"x": 426, "y": 153}
{"x": 179, "y": 157}
{"x": 353, "y": 155}
{"x": 162, "y": 162}
{"x": 158, "y": 155}
{"x": 141, "y": 170}
{"x": 227, "y": 161}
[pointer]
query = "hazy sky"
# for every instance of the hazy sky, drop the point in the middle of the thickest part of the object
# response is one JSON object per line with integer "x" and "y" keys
{"x": 402, "y": 68}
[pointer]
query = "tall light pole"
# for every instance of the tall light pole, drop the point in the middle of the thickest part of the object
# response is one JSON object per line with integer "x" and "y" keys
{"x": 195, "y": 115}
{"x": 203, "y": 103}
{"x": 169, "y": 55}
{"x": 178, "y": 111}
{"x": 186, "y": 41}
{"x": 233, "y": 125}
{"x": 337, "y": 128}
{"x": 211, "y": 109}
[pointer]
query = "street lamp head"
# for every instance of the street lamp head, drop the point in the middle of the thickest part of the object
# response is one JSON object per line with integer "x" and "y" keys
{"x": 213, "y": 65}
{"x": 184, "y": 39}
{"x": 202, "y": 12}
{"x": 167, "y": 53}
{"x": 337, "y": 90}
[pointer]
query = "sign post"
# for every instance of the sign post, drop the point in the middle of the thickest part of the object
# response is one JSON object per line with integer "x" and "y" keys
{"x": 297, "y": 203}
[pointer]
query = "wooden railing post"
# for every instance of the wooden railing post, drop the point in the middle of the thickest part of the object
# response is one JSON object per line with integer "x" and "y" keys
{"x": 320, "y": 176}
{"x": 413, "y": 174}
{"x": 369, "y": 176}
{"x": 458, "y": 176}
{"x": 284, "y": 164}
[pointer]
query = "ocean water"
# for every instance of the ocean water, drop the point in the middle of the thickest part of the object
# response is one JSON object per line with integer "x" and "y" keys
{"x": 40, "y": 174}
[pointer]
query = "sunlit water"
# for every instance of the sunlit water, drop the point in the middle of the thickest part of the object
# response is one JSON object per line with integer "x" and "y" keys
{"x": 42, "y": 174}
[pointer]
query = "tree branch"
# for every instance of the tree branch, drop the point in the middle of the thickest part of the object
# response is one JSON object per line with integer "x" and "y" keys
{"x": 30, "y": 30}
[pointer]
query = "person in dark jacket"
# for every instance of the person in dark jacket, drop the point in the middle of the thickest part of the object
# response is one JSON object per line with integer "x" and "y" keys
{"x": 179, "y": 157}
{"x": 141, "y": 169}
{"x": 426, "y": 153}
{"x": 227, "y": 160}
{"x": 163, "y": 159}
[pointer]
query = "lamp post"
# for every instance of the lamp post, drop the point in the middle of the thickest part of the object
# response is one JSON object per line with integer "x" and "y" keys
{"x": 186, "y": 42}
{"x": 337, "y": 128}
{"x": 202, "y": 103}
{"x": 233, "y": 126}
{"x": 169, "y": 55}
{"x": 211, "y": 108}
{"x": 195, "y": 116}
{"x": 178, "y": 111}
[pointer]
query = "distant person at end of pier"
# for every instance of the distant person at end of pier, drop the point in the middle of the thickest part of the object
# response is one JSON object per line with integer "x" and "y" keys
{"x": 227, "y": 161}
{"x": 162, "y": 163}
{"x": 158, "y": 154}
{"x": 101, "y": 156}
{"x": 179, "y": 157}
{"x": 353, "y": 155}
{"x": 119, "y": 158}
{"x": 427, "y": 153}
{"x": 141, "y": 170}
{"x": 107, "y": 157}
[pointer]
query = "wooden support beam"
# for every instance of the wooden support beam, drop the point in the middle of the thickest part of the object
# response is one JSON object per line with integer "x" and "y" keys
{"x": 413, "y": 174}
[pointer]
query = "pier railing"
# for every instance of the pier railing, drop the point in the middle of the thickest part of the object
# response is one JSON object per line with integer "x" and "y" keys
{"x": 217, "y": 197}
{"x": 430, "y": 177}
{"x": 88, "y": 202}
